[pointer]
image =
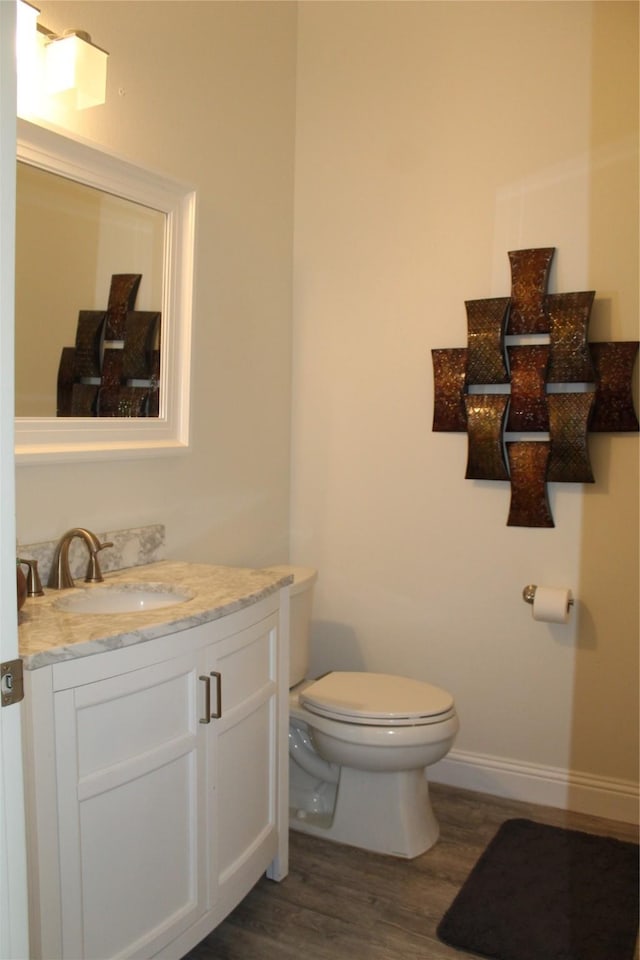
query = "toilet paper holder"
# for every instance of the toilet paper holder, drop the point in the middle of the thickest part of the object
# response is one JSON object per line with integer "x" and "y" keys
{"x": 529, "y": 592}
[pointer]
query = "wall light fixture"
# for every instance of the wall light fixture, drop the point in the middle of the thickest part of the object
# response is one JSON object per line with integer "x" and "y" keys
{"x": 67, "y": 67}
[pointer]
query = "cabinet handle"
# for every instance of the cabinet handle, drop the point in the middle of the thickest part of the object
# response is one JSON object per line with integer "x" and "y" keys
{"x": 207, "y": 700}
{"x": 218, "y": 713}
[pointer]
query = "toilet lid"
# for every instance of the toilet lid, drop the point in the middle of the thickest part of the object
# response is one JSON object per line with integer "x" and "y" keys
{"x": 377, "y": 698}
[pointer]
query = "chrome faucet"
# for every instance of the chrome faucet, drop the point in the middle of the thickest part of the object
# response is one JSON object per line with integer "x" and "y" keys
{"x": 60, "y": 574}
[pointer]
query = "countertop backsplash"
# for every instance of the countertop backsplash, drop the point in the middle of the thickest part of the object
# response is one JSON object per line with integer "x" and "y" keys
{"x": 131, "y": 548}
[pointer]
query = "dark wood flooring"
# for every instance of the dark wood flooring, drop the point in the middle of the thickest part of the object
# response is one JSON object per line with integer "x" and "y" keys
{"x": 340, "y": 903}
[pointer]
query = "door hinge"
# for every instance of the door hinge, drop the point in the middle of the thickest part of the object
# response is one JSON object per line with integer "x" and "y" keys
{"x": 11, "y": 683}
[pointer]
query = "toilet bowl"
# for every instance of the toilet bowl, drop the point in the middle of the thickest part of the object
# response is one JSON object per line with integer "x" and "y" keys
{"x": 359, "y": 747}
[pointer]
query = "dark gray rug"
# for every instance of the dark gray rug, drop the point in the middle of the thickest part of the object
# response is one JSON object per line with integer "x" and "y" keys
{"x": 545, "y": 893}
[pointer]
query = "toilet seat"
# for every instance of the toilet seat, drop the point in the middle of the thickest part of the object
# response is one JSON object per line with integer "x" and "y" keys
{"x": 377, "y": 699}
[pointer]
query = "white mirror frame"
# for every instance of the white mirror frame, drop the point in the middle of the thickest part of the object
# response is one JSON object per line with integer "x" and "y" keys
{"x": 40, "y": 440}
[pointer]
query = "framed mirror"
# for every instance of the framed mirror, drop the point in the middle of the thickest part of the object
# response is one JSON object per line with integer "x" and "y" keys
{"x": 85, "y": 218}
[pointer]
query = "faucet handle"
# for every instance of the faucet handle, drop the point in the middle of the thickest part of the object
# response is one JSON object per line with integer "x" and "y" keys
{"x": 34, "y": 586}
{"x": 94, "y": 573}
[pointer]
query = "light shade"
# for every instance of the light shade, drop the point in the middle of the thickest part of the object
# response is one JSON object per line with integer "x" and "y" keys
{"x": 26, "y": 27}
{"x": 76, "y": 71}
{"x": 30, "y": 56}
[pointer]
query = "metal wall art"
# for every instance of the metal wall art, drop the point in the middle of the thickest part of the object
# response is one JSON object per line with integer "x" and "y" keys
{"x": 114, "y": 368}
{"x": 560, "y": 384}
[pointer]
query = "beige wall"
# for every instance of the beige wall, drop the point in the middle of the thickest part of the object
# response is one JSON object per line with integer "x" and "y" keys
{"x": 431, "y": 139}
{"x": 203, "y": 92}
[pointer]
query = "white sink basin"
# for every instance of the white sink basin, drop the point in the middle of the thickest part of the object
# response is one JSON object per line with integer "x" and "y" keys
{"x": 123, "y": 598}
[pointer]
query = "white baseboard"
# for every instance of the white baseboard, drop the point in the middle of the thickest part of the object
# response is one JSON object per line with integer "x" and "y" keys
{"x": 550, "y": 786}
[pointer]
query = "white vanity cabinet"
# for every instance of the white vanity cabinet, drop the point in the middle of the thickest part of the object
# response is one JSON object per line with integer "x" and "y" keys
{"x": 155, "y": 787}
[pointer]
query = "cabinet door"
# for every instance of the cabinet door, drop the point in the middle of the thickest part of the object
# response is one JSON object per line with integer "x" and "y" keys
{"x": 243, "y": 760}
{"x": 130, "y": 752}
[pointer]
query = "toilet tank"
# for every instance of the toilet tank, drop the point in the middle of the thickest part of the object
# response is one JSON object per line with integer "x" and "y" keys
{"x": 301, "y": 594}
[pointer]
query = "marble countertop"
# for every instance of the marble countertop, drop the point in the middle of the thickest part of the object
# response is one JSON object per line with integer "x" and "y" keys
{"x": 48, "y": 635}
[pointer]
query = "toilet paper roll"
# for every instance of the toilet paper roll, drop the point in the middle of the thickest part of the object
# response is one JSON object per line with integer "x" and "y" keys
{"x": 551, "y": 604}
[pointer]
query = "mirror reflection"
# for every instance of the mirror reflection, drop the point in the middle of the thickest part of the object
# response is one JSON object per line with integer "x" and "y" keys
{"x": 91, "y": 224}
{"x": 72, "y": 240}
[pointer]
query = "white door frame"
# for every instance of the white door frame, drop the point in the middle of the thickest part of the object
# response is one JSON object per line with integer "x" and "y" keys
{"x": 14, "y": 943}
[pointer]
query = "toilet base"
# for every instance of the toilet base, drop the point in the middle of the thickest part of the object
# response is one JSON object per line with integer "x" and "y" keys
{"x": 383, "y": 812}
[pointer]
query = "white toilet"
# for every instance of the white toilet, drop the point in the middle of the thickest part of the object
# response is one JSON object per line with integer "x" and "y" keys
{"x": 359, "y": 744}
